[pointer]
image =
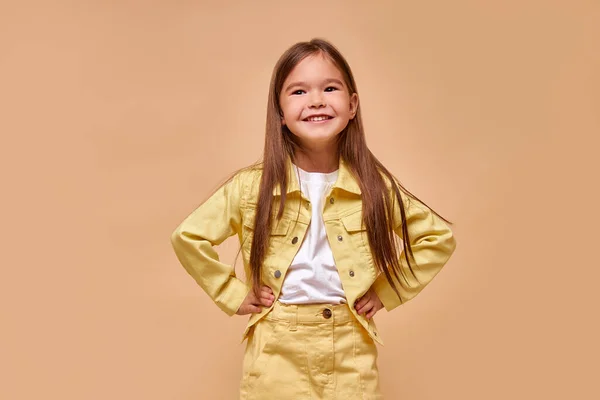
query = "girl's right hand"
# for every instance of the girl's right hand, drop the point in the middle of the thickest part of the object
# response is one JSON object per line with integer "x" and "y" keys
{"x": 253, "y": 304}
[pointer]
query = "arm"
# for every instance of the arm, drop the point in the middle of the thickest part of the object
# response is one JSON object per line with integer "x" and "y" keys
{"x": 432, "y": 244}
{"x": 209, "y": 225}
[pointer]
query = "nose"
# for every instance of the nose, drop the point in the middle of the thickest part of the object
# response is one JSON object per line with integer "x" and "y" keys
{"x": 316, "y": 100}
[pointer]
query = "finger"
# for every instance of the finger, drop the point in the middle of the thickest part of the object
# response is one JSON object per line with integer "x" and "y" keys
{"x": 362, "y": 303}
{"x": 267, "y": 289}
{"x": 266, "y": 302}
{"x": 253, "y": 309}
{"x": 247, "y": 309}
{"x": 359, "y": 302}
{"x": 365, "y": 307}
{"x": 372, "y": 313}
{"x": 267, "y": 295}
{"x": 256, "y": 301}
{"x": 252, "y": 298}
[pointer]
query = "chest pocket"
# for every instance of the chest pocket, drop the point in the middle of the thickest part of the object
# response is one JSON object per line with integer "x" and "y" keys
{"x": 279, "y": 228}
{"x": 279, "y": 231}
{"x": 356, "y": 230}
{"x": 353, "y": 222}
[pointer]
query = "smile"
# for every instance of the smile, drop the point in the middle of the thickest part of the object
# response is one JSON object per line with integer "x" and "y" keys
{"x": 318, "y": 118}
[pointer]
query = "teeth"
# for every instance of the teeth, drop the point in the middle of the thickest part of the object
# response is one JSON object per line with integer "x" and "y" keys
{"x": 314, "y": 119}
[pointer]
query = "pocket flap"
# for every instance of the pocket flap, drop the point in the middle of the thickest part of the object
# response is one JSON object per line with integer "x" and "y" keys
{"x": 279, "y": 228}
{"x": 353, "y": 222}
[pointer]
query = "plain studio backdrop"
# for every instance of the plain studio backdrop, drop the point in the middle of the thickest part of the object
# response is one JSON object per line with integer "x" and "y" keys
{"x": 118, "y": 118}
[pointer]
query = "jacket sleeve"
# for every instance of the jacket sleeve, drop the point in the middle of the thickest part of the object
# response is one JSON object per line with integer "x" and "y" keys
{"x": 209, "y": 225}
{"x": 432, "y": 244}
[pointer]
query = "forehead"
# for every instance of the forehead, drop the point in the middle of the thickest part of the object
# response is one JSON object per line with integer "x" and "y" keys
{"x": 313, "y": 69}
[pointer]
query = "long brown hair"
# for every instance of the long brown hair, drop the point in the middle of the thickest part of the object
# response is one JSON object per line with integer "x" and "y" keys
{"x": 378, "y": 203}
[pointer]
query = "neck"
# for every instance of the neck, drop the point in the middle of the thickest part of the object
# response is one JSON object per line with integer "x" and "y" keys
{"x": 323, "y": 161}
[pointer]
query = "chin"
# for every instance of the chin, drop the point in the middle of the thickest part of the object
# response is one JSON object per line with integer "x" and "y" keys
{"x": 318, "y": 137}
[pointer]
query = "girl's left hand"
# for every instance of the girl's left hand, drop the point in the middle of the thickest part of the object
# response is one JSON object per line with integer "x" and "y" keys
{"x": 368, "y": 304}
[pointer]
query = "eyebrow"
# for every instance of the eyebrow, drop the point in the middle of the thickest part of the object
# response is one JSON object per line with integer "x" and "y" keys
{"x": 330, "y": 80}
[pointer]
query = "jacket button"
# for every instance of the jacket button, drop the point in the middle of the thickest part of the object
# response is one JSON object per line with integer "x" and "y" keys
{"x": 327, "y": 313}
{"x": 331, "y": 200}
{"x": 277, "y": 274}
{"x": 340, "y": 238}
{"x": 295, "y": 240}
{"x": 351, "y": 273}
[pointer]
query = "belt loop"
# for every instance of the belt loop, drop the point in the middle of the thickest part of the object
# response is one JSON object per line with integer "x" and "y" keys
{"x": 294, "y": 319}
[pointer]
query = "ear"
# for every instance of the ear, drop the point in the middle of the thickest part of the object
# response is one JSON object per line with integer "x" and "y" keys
{"x": 282, "y": 117}
{"x": 353, "y": 105}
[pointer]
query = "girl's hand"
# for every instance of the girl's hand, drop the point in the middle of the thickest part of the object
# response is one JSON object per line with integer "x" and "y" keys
{"x": 368, "y": 304}
{"x": 253, "y": 304}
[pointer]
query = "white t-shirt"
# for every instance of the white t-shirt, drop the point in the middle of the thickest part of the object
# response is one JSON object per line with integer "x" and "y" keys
{"x": 313, "y": 277}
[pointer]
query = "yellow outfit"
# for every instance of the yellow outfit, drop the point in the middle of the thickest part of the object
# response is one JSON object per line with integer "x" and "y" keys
{"x": 231, "y": 210}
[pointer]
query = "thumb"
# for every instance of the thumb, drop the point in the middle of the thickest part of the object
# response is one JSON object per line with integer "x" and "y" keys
{"x": 253, "y": 309}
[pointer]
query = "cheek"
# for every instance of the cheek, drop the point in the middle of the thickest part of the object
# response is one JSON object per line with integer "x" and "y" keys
{"x": 292, "y": 111}
{"x": 342, "y": 106}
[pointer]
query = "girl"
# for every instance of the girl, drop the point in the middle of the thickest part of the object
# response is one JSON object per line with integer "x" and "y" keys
{"x": 328, "y": 237}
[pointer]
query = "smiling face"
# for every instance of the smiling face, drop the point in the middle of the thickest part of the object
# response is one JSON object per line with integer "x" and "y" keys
{"x": 315, "y": 101}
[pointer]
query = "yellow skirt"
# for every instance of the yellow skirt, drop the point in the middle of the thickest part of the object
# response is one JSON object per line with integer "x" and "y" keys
{"x": 314, "y": 351}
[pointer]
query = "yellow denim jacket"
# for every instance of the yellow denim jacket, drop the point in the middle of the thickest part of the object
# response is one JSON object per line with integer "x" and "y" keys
{"x": 231, "y": 209}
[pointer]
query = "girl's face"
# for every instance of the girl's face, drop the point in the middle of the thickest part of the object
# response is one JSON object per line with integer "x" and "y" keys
{"x": 315, "y": 101}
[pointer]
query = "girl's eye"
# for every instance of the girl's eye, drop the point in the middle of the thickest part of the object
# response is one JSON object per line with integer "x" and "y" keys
{"x": 327, "y": 89}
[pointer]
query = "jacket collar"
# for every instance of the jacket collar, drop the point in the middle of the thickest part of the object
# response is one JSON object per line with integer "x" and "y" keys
{"x": 345, "y": 179}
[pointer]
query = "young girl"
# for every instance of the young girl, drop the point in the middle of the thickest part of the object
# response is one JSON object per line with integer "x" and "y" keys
{"x": 328, "y": 238}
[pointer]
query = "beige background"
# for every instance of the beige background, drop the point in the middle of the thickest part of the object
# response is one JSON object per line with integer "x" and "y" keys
{"x": 119, "y": 117}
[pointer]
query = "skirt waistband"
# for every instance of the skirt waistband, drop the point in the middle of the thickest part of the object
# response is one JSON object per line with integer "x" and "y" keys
{"x": 337, "y": 314}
